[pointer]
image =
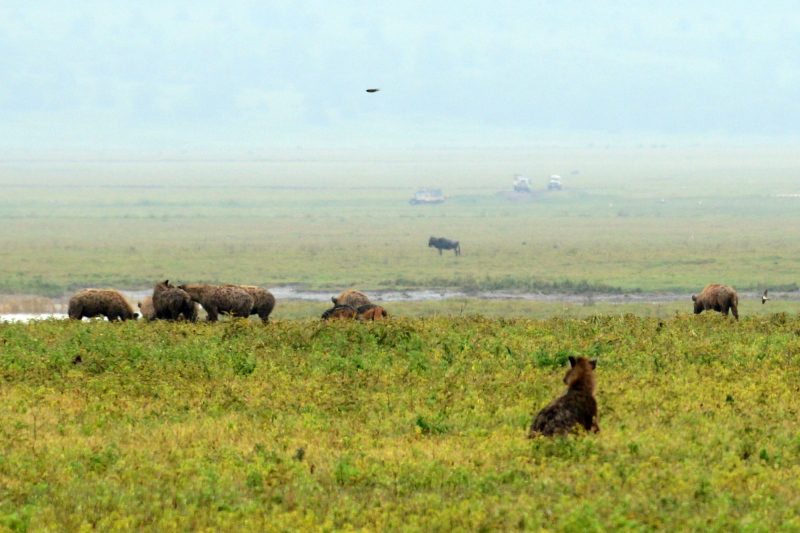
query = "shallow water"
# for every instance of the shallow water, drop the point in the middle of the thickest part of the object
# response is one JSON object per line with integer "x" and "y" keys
{"x": 27, "y": 317}
{"x": 427, "y": 295}
{"x": 293, "y": 294}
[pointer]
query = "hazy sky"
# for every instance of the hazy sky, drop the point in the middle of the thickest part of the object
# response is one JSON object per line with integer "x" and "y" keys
{"x": 258, "y": 75}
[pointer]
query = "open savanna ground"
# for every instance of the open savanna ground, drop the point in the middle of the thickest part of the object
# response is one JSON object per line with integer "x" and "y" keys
{"x": 329, "y": 221}
{"x": 413, "y": 424}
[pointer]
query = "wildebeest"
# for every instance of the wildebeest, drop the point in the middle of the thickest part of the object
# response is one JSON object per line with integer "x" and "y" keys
{"x": 575, "y": 408}
{"x": 720, "y": 298}
{"x": 440, "y": 243}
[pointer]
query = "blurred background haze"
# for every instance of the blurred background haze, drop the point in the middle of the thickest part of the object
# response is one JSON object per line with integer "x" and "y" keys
{"x": 226, "y": 77}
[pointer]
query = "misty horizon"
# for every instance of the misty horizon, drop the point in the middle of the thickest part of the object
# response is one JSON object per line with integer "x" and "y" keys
{"x": 202, "y": 77}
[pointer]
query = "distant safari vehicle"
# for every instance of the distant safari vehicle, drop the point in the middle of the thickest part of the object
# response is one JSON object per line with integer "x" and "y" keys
{"x": 521, "y": 183}
{"x": 428, "y": 196}
{"x": 555, "y": 183}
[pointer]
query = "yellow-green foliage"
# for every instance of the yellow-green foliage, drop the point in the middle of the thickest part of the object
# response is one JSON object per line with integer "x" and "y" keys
{"x": 415, "y": 424}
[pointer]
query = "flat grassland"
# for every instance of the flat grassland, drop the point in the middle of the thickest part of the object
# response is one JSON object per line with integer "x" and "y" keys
{"x": 651, "y": 219}
{"x": 411, "y": 424}
{"x": 417, "y": 423}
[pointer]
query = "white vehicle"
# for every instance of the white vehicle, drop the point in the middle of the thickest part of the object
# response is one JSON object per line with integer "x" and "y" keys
{"x": 521, "y": 183}
{"x": 554, "y": 183}
{"x": 428, "y": 196}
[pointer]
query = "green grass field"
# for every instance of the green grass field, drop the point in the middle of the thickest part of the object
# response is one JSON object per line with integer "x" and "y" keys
{"x": 411, "y": 424}
{"x": 330, "y": 221}
{"x": 417, "y": 423}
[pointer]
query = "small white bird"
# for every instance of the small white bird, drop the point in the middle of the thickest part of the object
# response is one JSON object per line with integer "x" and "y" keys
{"x": 765, "y": 297}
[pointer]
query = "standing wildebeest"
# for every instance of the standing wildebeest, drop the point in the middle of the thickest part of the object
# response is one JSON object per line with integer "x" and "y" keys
{"x": 575, "y": 408}
{"x": 440, "y": 243}
{"x": 718, "y": 297}
{"x": 94, "y": 302}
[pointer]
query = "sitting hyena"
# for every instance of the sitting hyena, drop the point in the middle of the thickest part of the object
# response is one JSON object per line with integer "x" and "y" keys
{"x": 95, "y": 302}
{"x": 721, "y": 298}
{"x": 575, "y": 408}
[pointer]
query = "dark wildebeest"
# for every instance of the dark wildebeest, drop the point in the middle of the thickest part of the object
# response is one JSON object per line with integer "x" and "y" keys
{"x": 440, "y": 243}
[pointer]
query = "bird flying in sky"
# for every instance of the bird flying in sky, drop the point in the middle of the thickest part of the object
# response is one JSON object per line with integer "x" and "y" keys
{"x": 372, "y": 90}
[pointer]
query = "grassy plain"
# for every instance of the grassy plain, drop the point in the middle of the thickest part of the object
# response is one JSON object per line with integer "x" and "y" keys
{"x": 417, "y": 423}
{"x": 411, "y": 424}
{"x": 329, "y": 221}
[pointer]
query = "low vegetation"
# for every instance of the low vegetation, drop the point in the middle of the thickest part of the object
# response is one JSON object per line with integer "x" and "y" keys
{"x": 415, "y": 424}
{"x": 418, "y": 422}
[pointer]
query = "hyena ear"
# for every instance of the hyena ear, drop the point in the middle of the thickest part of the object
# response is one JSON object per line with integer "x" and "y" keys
{"x": 571, "y": 361}
{"x": 694, "y": 298}
{"x": 593, "y": 362}
{"x": 140, "y": 305}
{"x": 166, "y": 282}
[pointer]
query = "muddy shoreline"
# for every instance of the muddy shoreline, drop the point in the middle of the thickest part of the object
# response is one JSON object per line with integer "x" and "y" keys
{"x": 25, "y": 307}
{"x": 431, "y": 295}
